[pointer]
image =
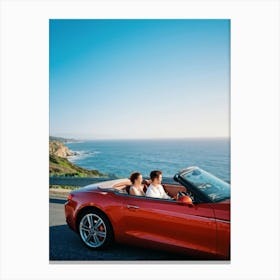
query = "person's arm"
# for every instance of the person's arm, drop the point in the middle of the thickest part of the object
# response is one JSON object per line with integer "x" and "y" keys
{"x": 165, "y": 195}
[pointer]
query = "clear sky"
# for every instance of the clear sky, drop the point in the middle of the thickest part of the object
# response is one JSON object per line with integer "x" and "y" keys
{"x": 121, "y": 79}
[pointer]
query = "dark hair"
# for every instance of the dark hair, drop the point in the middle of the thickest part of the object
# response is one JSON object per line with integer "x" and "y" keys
{"x": 155, "y": 174}
{"x": 134, "y": 176}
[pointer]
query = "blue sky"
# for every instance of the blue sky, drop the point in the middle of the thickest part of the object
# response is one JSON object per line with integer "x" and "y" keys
{"x": 125, "y": 79}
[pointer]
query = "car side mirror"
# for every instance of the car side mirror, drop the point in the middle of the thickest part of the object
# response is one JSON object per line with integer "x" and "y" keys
{"x": 185, "y": 200}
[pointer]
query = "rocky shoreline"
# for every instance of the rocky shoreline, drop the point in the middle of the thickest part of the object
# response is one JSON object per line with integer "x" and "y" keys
{"x": 57, "y": 148}
{"x": 59, "y": 165}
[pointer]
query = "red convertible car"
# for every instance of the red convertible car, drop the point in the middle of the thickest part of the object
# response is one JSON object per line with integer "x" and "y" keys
{"x": 196, "y": 223}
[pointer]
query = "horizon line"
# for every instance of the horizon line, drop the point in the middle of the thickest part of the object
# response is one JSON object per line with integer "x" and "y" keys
{"x": 152, "y": 138}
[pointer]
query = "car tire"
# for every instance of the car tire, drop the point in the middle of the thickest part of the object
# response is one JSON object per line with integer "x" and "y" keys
{"x": 95, "y": 229}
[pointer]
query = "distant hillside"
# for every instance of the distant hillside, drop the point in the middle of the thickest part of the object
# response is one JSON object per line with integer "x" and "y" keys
{"x": 63, "y": 167}
{"x": 59, "y": 165}
{"x": 61, "y": 139}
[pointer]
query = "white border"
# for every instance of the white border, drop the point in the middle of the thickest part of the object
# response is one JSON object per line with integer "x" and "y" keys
{"x": 254, "y": 132}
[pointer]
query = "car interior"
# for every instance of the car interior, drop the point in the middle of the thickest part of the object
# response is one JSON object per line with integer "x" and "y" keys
{"x": 171, "y": 189}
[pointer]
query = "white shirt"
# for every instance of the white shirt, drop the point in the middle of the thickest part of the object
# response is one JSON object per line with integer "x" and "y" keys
{"x": 157, "y": 192}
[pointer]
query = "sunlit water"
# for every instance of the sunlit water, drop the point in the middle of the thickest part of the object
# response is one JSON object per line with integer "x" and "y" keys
{"x": 121, "y": 157}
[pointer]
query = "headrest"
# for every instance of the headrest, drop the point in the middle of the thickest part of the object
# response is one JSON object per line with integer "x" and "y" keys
{"x": 146, "y": 182}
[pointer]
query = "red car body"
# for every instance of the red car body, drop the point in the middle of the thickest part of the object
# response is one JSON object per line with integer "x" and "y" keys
{"x": 200, "y": 229}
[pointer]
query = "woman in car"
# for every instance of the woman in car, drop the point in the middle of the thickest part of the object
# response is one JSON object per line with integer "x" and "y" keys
{"x": 137, "y": 188}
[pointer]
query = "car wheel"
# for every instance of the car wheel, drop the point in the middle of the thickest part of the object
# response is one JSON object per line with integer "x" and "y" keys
{"x": 95, "y": 229}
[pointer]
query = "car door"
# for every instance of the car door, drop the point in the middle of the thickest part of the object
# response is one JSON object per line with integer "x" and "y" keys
{"x": 165, "y": 222}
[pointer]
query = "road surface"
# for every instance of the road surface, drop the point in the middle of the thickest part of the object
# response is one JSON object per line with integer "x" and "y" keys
{"x": 65, "y": 245}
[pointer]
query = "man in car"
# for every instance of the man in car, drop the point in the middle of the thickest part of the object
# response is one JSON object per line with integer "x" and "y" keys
{"x": 155, "y": 189}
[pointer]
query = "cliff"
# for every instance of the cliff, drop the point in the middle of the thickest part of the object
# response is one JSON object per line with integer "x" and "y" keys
{"x": 59, "y": 165}
{"x": 57, "y": 148}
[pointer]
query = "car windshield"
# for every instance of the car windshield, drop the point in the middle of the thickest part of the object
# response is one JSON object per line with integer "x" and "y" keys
{"x": 215, "y": 188}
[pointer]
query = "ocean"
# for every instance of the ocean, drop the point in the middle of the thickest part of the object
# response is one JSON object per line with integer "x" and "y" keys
{"x": 122, "y": 157}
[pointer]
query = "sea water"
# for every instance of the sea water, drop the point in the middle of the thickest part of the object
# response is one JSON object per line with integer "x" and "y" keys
{"x": 121, "y": 157}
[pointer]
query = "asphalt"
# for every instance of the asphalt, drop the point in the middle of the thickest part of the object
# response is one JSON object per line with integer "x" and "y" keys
{"x": 65, "y": 245}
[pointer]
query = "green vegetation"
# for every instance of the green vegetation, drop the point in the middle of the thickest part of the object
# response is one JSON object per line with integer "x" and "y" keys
{"x": 64, "y": 187}
{"x": 59, "y": 165}
{"x": 63, "y": 167}
{"x": 61, "y": 139}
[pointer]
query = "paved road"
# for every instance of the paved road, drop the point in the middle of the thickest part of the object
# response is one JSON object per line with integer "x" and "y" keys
{"x": 65, "y": 245}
